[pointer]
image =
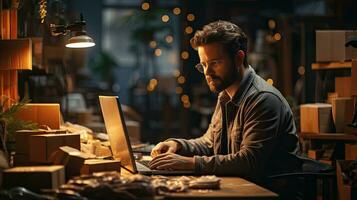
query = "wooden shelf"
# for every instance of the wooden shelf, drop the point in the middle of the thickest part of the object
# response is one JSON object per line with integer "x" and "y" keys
{"x": 331, "y": 65}
{"x": 329, "y": 136}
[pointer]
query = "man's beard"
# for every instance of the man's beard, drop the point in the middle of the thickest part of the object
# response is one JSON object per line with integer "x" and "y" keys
{"x": 217, "y": 84}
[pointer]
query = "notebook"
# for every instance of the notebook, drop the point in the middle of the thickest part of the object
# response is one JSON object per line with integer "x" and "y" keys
{"x": 119, "y": 139}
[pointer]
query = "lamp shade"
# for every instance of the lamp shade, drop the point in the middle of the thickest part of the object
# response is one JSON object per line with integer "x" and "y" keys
{"x": 81, "y": 41}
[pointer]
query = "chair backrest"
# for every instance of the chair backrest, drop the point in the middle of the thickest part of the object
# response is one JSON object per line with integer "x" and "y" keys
{"x": 303, "y": 183}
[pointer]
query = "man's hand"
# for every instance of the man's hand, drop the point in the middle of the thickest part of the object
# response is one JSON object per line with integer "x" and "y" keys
{"x": 171, "y": 161}
{"x": 165, "y": 147}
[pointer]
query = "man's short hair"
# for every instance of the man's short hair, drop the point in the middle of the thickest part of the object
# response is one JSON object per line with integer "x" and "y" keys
{"x": 227, "y": 33}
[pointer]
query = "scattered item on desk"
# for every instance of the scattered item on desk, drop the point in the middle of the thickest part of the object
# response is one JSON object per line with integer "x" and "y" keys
{"x": 107, "y": 185}
{"x": 71, "y": 158}
{"x": 21, "y": 193}
{"x": 205, "y": 182}
{"x": 42, "y": 146}
{"x": 85, "y": 132}
{"x": 99, "y": 165}
{"x": 100, "y": 149}
{"x": 34, "y": 177}
{"x": 165, "y": 184}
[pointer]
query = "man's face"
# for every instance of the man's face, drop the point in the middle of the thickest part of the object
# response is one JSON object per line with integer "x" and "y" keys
{"x": 219, "y": 69}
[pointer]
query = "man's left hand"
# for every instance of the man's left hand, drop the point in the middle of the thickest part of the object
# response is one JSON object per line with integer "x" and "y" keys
{"x": 171, "y": 161}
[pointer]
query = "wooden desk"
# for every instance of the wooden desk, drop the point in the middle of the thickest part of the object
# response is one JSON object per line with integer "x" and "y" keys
{"x": 231, "y": 188}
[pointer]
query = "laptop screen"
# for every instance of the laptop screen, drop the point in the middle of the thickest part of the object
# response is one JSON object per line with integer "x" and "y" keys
{"x": 117, "y": 131}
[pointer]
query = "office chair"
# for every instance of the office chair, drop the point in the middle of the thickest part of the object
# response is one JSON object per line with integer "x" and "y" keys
{"x": 303, "y": 184}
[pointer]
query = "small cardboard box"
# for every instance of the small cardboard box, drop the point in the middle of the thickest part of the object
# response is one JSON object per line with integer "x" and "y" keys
{"x": 34, "y": 177}
{"x": 42, "y": 146}
{"x": 342, "y": 112}
{"x": 41, "y": 113}
{"x": 343, "y": 86}
{"x": 316, "y": 118}
{"x": 22, "y": 138}
{"x": 98, "y": 165}
{"x": 330, "y": 45}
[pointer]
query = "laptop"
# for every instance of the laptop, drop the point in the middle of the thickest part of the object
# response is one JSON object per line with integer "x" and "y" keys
{"x": 119, "y": 139}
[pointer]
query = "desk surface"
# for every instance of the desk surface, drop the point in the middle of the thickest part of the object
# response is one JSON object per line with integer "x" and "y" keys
{"x": 231, "y": 188}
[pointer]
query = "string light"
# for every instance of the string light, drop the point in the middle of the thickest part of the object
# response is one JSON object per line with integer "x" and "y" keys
{"x": 145, "y": 6}
{"x": 185, "y": 98}
{"x": 190, "y": 17}
{"x": 185, "y": 55}
{"x": 277, "y": 36}
{"x": 169, "y": 39}
{"x": 270, "y": 81}
{"x": 188, "y": 30}
{"x": 153, "y": 44}
{"x": 181, "y": 79}
{"x": 176, "y": 11}
{"x": 158, "y": 52}
{"x": 165, "y": 18}
{"x": 271, "y": 24}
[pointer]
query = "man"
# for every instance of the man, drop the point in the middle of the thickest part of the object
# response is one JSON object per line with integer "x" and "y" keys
{"x": 252, "y": 132}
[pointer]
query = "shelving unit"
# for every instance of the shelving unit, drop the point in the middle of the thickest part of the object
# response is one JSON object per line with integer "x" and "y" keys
{"x": 329, "y": 136}
{"x": 331, "y": 65}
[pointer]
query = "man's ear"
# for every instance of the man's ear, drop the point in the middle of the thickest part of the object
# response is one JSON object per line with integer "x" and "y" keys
{"x": 239, "y": 57}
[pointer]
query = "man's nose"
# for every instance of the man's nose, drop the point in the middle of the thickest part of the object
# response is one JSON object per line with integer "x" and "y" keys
{"x": 208, "y": 70}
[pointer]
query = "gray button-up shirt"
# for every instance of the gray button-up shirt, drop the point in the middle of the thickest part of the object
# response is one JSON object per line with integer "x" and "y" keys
{"x": 261, "y": 134}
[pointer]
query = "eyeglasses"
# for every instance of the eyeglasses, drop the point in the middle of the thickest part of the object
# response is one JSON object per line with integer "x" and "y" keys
{"x": 203, "y": 65}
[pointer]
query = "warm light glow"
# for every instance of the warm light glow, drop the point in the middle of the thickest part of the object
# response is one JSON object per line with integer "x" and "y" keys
{"x": 185, "y": 55}
{"x": 158, "y": 52}
{"x": 153, "y": 44}
{"x": 188, "y": 30}
{"x": 181, "y": 79}
{"x": 80, "y": 45}
{"x": 145, "y": 6}
{"x": 301, "y": 70}
{"x": 176, "y": 11}
{"x": 187, "y": 104}
{"x": 177, "y": 73}
{"x": 153, "y": 82}
{"x": 185, "y": 98}
{"x": 179, "y": 90}
{"x": 270, "y": 81}
{"x": 169, "y": 39}
{"x": 165, "y": 18}
{"x": 81, "y": 41}
{"x": 190, "y": 17}
{"x": 271, "y": 24}
{"x": 277, "y": 36}
{"x": 269, "y": 38}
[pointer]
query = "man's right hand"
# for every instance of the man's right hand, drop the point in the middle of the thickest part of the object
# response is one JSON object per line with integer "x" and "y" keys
{"x": 165, "y": 147}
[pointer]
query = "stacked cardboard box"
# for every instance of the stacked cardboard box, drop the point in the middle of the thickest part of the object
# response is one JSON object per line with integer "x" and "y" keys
{"x": 316, "y": 118}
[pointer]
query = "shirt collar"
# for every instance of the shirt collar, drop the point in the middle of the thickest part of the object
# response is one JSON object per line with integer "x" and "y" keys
{"x": 243, "y": 87}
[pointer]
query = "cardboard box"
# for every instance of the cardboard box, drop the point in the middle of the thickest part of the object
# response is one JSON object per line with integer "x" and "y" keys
{"x": 354, "y": 78}
{"x": 34, "y": 177}
{"x": 342, "y": 112}
{"x": 316, "y": 118}
{"x": 97, "y": 165}
{"x": 22, "y": 138}
{"x": 330, "y": 45}
{"x": 41, "y": 113}
{"x": 72, "y": 159}
{"x": 343, "y": 86}
{"x": 42, "y": 146}
{"x": 351, "y": 151}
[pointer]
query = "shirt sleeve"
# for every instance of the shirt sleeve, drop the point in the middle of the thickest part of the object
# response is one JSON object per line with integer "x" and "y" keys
{"x": 202, "y": 146}
{"x": 262, "y": 114}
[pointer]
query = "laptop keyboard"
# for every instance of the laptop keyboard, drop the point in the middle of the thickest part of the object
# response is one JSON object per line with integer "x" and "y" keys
{"x": 144, "y": 162}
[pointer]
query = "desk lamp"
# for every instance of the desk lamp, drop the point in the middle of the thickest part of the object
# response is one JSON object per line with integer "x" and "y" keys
{"x": 80, "y": 39}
